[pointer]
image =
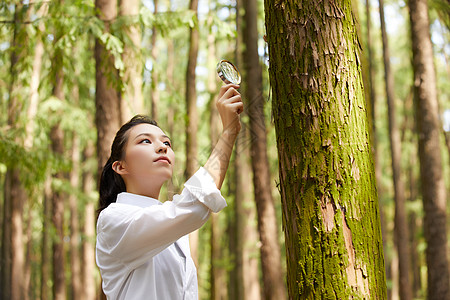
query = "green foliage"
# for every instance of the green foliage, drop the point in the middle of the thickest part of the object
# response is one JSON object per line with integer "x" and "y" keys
{"x": 32, "y": 163}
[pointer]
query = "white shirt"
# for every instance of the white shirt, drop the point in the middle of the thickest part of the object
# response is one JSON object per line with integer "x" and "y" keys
{"x": 142, "y": 246}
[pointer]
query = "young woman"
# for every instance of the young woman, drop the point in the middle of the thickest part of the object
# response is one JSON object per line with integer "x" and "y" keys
{"x": 142, "y": 246}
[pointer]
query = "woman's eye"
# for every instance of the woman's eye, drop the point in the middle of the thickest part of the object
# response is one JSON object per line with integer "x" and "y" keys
{"x": 147, "y": 141}
{"x": 168, "y": 144}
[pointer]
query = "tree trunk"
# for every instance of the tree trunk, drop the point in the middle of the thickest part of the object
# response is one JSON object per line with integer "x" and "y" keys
{"x": 247, "y": 239}
{"x": 400, "y": 218}
{"x": 107, "y": 100}
{"x": 273, "y": 286}
{"x": 217, "y": 271}
{"x": 132, "y": 101}
{"x": 5, "y": 278}
{"x": 107, "y": 95}
{"x": 15, "y": 194}
{"x": 171, "y": 112}
{"x": 237, "y": 227}
{"x": 13, "y": 260}
{"x": 57, "y": 213}
{"x": 45, "y": 255}
{"x": 154, "y": 96}
{"x": 431, "y": 173}
{"x": 35, "y": 78}
{"x": 373, "y": 117}
{"x": 414, "y": 227}
{"x": 28, "y": 257}
{"x": 327, "y": 178}
{"x": 75, "y": 257}
{"x": 88, "y": 266}
{"x": 191, "y": 121}
{"x": 246, "y": 273}
{"x": 57, "y": 198}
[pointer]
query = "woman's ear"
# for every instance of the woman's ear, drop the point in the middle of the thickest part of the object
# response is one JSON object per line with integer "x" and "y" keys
{"x": 119, "y": 168}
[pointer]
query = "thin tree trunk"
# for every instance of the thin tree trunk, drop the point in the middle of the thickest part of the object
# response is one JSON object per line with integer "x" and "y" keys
{"x": 17, "y": 196}
{"x": 191, "y": 122}
{"x": 171, "y": 110}
{"x": 274, "y": 287}
{"x": 327, "y": 179}
{"x": 154, "y": 55}
{"x": 57, "y": 198}
{"x": 246, "y": 275}
{"x": 45, "y": 255}
{"x": 28, "y": 256}
{"x": 75, "y": 257}
{"x": 413, "y": 240}
{"x": 400, "y": 219}
{"x": 236, "y": 276}
{"x": 217, "y": 271}
{"x": 57, "y": 213}
{"x": 35, "y": 79}
{"x": 29, "y": 135}
{"x": 430, "y": 157}
{"x": 5, "y": 278}
{"x": 132, "y": 100}
{"x": 88, "y": 229}
{"x": 395, "y": 292}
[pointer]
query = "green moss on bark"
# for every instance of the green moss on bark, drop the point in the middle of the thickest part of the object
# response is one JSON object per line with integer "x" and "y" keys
{"x": 330, "y": 206}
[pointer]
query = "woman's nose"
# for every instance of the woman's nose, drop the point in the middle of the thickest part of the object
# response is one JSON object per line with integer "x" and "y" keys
{"x": 162, "y": 148}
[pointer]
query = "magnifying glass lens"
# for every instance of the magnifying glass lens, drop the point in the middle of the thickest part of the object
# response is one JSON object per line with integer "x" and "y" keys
{"x": 228, "y": 72}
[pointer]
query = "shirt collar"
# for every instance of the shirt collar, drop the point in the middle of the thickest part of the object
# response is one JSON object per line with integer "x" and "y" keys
{"x": 137, "y": 200}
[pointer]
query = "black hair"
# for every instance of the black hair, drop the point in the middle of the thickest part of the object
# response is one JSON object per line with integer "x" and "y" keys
{"x": 111, "y": 183}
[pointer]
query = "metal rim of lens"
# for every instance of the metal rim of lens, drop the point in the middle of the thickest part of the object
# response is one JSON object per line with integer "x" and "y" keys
{"x": 224, "y": 75}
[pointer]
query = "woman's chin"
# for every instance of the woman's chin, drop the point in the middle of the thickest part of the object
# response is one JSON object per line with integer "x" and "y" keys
{"x": 163, "y": 174}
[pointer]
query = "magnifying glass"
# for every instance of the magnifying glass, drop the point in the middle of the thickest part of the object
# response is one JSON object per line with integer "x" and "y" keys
{"x": 228, "y": 72}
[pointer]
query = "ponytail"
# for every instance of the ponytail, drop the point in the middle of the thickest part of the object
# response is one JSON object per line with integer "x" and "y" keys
{"x": 111, "y": 183}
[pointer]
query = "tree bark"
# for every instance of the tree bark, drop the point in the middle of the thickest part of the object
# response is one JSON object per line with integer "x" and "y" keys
{"x": 107, "y": 95}
{"x": 75, "y": 257}
{"x": 373, "y": 117}
{"x": 217, "y": 271}
{"x": 431, "y": 173}
{"x": 154, "y": 94}
{"x": 191, "y": 121}
{"x": 132, "y": 100}
{"x": 88, "y": 266}
{"x": 244, "y": 234}
{"x": 57, "y": 217}
{"x": 171, "y": 112}
{"x": 13, "y": 260}
{"x": 107, "y": 99}
{"x": 327, "y": 179}
{"x": 247, "y": 238}
{"x": 274, "y": 287}
{"x": 57, "y": 197}
{"x": 400, "y": 218}
{"x": 45, "y": 254}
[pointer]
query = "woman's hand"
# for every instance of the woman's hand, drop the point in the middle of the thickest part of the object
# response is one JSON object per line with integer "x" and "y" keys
{"x": 229, "y": 104}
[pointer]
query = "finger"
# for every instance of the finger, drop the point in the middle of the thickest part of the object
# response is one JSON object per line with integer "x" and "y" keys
{"x": 230, "y": 93}
{"x": 237, "y": 107}
{"x": 235, "y": 98}
{"x": 225, "y": 88}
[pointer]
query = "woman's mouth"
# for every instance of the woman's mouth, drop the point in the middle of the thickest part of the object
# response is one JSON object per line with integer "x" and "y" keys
{"x": 163, "y": 159}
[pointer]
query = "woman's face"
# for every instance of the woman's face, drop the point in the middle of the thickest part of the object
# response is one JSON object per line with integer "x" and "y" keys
{"x": 145, "y": 146}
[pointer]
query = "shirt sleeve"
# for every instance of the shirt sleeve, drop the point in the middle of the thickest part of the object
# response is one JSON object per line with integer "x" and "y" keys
{"x": 135, "y": 234}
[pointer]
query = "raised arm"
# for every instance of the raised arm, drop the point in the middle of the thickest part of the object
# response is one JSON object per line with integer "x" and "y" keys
{"x": 229, "y": 105}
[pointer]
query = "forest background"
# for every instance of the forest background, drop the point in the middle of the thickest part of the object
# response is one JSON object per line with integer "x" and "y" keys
{"x": 73, "y": 71}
